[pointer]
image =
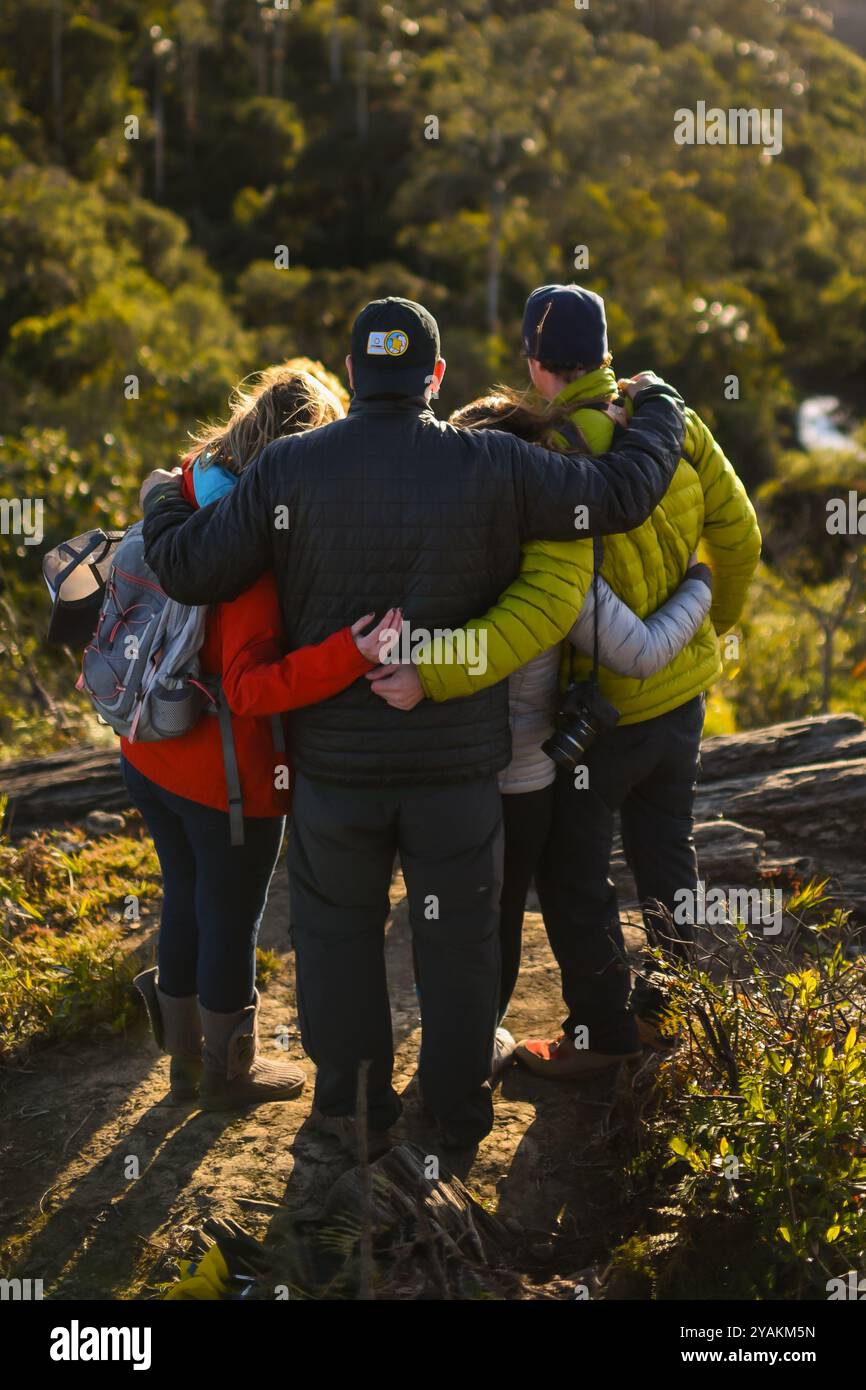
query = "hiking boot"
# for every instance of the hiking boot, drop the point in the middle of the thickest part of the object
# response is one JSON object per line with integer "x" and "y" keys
{"x": 458, "y": 1152}
{"x": 234, "y": 1075}
{"x": 344, "y": 1128}
{"x": 503, "y": 1053}
{"x": 562, "y": 1061}
{"x": 651, "y": 1035}
{"x": 176, "y": 1026}
{"x": 649, "y": 1002}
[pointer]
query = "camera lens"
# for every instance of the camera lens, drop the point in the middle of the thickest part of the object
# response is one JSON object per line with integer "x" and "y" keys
{"x": 568, "y": 745}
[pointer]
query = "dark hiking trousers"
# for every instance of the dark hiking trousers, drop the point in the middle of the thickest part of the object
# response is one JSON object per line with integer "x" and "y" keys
{"x": 341, "y": 855}
{"x": 214, "y": 893}
{"x": 647, "y": 772}
{"x": 526, "y": 818}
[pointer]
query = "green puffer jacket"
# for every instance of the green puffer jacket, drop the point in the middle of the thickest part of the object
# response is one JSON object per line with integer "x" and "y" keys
{"x": 706, "y": 505}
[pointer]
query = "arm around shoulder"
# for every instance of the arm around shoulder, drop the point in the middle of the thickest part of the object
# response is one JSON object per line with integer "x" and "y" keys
{"x": 211, "y": 555}
{"x": 534, "y": 613}
{"x": 562, "y": 496}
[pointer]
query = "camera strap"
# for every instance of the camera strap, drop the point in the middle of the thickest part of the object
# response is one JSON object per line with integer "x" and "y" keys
{"x": 597, "y": 557}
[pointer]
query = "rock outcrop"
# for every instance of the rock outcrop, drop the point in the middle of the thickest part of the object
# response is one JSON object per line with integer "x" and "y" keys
{"x": 785, "y": 802}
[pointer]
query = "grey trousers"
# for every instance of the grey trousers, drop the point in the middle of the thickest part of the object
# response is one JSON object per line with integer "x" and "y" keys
{"x": 341, "y": 856}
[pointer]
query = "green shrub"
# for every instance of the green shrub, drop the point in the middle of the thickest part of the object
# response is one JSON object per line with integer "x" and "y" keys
{"x": 758, "y": 1116}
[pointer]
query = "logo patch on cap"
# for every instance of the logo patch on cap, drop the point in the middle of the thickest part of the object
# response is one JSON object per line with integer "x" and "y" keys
{"x": 392, "y": 344}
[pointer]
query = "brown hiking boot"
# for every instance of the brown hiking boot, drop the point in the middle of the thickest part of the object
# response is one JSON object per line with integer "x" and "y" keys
{"x": 650, "y": 1000}
{"x": 562, "y": 1061}
{"x": 344, "y": 1128}
{"x": 234, "y": 1074}
{"x": 649, "y": 1031}
{"x": 176, "y": 1026}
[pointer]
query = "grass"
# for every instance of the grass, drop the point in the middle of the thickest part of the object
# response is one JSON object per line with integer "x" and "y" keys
{"x": 65, "y": 963}
{"x": 67, "y": 904}
{"x": 59, "y": 879}
{"x": 58, "y": 986}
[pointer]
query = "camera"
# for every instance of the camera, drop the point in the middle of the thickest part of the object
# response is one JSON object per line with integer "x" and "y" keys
{"x": 584, "y": 715}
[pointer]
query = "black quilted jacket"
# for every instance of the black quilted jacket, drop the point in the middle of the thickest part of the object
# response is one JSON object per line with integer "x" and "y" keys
{"x": 391, "y": 506}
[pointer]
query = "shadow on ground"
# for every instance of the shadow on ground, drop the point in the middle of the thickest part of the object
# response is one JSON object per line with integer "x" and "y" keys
{"x": 104, "y": 1184}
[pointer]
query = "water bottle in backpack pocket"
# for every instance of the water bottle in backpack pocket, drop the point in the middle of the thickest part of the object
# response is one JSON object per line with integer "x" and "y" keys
{"x": 141, "y": 668}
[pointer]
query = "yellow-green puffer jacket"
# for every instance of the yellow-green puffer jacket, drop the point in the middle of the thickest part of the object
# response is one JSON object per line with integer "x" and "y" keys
{"x": 706, "y": 505}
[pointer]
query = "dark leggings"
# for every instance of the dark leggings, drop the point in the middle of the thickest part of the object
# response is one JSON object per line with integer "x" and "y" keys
{"x": 214, "y": 893}
{"x": 527, "y": 817}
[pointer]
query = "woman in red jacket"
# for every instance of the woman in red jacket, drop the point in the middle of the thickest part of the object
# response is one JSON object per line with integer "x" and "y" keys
{"x": 201, "y": 996}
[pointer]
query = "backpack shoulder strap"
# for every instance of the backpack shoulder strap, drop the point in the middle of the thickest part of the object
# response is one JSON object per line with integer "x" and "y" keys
{"x": 233, "y": 777}
{"x": 573, "y": 437}
{"x": 615, "y": 409}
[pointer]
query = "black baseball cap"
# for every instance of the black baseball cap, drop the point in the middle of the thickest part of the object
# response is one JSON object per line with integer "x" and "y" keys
{"x": 565, "y": 324}
{"x": 395, "y": 345}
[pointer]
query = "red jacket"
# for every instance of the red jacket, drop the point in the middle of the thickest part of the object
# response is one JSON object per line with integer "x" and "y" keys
{"x": 243, "y": 645}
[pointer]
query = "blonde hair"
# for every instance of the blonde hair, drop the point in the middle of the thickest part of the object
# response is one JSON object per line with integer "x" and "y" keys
{"x": 285, "y": 399}
{"x": 512, "y": 411}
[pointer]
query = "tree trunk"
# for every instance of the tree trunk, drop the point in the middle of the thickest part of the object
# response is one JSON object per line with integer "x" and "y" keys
{"x": 827, "y": 670}
{"x": 362, "y": 110}
{"x": 158, "y": 135}
{"x": 494, "y": 254}
{"x": 279, "y": 56}
{"x": 57, "y": 20}
{"x": 335, "y": 48}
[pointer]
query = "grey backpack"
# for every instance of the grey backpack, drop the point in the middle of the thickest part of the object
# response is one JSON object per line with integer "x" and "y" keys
{"x": 141, "y": 667}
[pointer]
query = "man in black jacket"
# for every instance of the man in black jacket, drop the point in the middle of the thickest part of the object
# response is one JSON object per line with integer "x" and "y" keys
{"x": 392, "y": 506}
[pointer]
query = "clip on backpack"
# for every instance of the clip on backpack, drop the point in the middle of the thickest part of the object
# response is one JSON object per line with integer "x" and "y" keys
{"x": 141, "y": 667}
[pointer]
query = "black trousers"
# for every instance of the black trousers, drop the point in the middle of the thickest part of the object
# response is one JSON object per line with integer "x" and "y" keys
{"x": 646, "y": 772}
{"x": 527, "y": 819}
{"x": 341, "y": 855}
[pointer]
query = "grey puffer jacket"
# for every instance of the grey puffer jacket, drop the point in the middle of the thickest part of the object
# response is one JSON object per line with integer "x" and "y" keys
{"x": 627, "y": 644}
{"x": 391, "y": 506}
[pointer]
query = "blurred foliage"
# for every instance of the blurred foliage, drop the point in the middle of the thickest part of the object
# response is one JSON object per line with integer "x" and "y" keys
{"x": 155, "y": 156}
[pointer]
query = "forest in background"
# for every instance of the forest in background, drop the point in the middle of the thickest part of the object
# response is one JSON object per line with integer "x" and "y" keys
{"x": 192, "y": 190}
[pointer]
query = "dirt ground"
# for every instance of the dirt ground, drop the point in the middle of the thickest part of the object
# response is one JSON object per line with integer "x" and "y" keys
{"x": 77, "y": 1212}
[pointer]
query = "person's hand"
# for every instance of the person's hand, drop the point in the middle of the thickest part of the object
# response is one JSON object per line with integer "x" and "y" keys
{"x": 698, "y": 570}
{"x": 159, "y": 475}
{"x": 398, "y": 686}
{"x": 632, "y": 385}
{"x": 375, "y": 645}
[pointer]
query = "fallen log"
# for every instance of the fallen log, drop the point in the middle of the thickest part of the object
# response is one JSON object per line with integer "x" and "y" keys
{"x": 791, "y": 795}
{"x": 61, "y": 787}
